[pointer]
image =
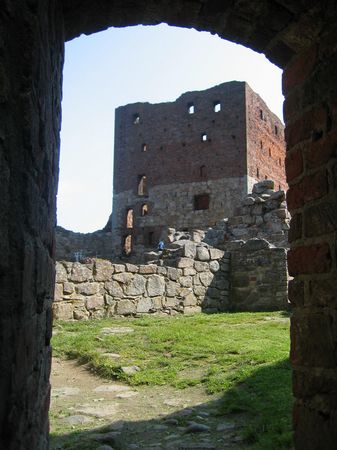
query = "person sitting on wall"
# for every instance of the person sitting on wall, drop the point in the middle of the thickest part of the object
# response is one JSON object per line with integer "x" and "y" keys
{"x": 161, "y": 245}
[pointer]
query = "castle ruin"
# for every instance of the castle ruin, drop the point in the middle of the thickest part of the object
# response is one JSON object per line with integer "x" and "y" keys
{"x": 188, "y": 164}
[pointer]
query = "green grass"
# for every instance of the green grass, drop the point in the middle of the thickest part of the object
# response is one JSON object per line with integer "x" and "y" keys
{"x": 244, "y": 356}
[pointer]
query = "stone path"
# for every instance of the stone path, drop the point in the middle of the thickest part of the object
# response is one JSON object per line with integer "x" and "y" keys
{"x": 94, "y": 414}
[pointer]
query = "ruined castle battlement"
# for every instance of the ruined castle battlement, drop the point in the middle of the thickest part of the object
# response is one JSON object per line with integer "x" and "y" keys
{"x": 188, "y": 163}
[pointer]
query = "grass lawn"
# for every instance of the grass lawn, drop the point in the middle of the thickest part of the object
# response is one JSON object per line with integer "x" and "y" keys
{"x": 244, "y": 356}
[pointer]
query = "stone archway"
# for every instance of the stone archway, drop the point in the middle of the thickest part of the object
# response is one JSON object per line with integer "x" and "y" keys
{"x": 299, "y": 37}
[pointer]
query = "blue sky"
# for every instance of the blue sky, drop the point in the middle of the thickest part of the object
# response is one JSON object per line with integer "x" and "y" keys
{"x": 127, "y": 65}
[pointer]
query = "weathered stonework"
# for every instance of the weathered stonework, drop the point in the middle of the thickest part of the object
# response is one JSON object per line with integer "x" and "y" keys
{"x": 255, "y": 281}
{"x": 300, "y": 37}
{"x": 188, "y": 163}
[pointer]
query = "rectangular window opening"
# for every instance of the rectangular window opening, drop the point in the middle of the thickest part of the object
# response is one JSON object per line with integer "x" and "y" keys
{"x": 201, "y": 202}
{"x": 217, "y": 106}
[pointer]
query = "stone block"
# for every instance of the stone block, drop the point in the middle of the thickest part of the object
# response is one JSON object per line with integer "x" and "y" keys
{"x": 63, "y": 311}
{"x": 123, "y": 277}
{"x": 119, "y": 268}
{"x": 103, "y": 270}
{"x": 189, "y": 271}
{"x": 114, "y": 289}
{"x": 95, "y": 302}
{"x": 125, "y": 307}
{"x": 148, "y": 269}
{"x": 215, "y": 253}
{"x": 171, "y": 288}
{"x": 206, "y": 278}
{"x": 157, "y": 302}
{"x": 87, "y": 288}
{"x": 173, "y": 273}
{"x": 162, "y": 271}
{"x": 136, "y": 286}
{"x": 185, "y": 262}
{"x": 201, "y": 266}
{"x": 185, "y": 281}
{"x": 214, "y": 266}
{"x": 61, "y": 275}
{"x": 81, "y": 314}
{"x": 58, "y": 293}
{"x": 155, "y": 285}
{"x": 213, "y": 293}
{"x": 248, "y": 201}
{"x": 262, "y": 186}
{"x": 199, "y": 291}
{"x": 131, "y": 268}
{"x": 257, "y": 210}
{"x": 144, "y": 305}
{"x": 190, "y": 310}
{"x": 189, "y": 250}
{"x": 202, "y": 254}
{"x": 110, "y": 301}
{"x": 80, "y": 273}
{"x": 190, "y": 299}
{"x": 68, "y": 288}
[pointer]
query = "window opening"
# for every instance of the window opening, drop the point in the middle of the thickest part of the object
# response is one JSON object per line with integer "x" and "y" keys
{"x": 269, "y": 151}
{"x": 190, "y": 108}
{"x": 144, "y": 147}
{"x": 142, "y": 185}
{"x": 129, "y": 218}
{"x": 204, "y": 137}
{"x": 150, "y": 238}
{"x": 276, "y": 129}
{"x": 217, "y": 106}
{"x": 201, "y": 202}
{"x": 261, "y": 145}
{"x": 127, "y": 244}
{"x": 136, "y": 118}
{"x": 144, "y": 209}
{"x": 261, "y": 114}
{"x": 280, "y": 162}
{"x": 257, "y": 172}
{"x": 202, "y": 171}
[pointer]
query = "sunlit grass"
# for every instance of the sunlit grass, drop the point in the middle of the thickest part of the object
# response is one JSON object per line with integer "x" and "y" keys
{"x": 244, "y": 356}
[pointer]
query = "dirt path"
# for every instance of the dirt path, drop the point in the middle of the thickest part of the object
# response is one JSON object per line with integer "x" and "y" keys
{"x": 88, "y": 412}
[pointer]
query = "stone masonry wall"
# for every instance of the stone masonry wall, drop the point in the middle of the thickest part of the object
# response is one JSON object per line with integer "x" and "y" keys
{"x": 202, "y": 279}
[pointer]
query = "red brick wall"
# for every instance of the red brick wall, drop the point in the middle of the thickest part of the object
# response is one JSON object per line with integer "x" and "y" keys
{"x": 265, "y": 148}
{"x": 175, "y": 152}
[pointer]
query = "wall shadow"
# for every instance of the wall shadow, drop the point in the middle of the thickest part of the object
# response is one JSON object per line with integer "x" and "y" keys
{"x": 253, "y": 413}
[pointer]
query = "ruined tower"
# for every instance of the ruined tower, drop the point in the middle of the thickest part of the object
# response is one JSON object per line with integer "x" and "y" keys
{"x": 186, "y": 164}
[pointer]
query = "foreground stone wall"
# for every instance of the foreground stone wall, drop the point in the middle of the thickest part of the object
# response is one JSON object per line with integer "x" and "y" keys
{"x": 202, "y": 280}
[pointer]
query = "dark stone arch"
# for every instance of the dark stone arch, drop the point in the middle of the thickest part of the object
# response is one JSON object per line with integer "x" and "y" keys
{"x": 299, "y": 36}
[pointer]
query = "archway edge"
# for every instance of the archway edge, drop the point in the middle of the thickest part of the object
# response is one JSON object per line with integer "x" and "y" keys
{"x": 279, "y": 29}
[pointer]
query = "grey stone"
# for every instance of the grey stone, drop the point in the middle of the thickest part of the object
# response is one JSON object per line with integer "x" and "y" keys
{"x": 114, "y": 289}
{"x": 68, "y": 288}
{"x": 185, "y": 262}
{"x": 173, "y": 273}
{"x": 136, "y": 286}
{"x": 103, "y": 270}
{"x": 202, "y": 254}
{"x": 125, "y": 307}
{"x": 58, "y": 293}
{"x": 130, "y": 370}
{"x": 195, "y": 427}
{"x": 63, "y": 311}
{"x": 214, "y": 266}
{"x": 95, "y": 302}
{"x": 61, "y": 275}
{"x": 117, "y": 330}
{"x": 189, "y": 250}
{"x": 80, "y": 273}
{"x": 185, "y": 281}
{"x": 148, "y": 269}
{"x": 256, "y": 244}
{"x": 144, "y": 305}
{"x": 200, "y": 266}
{"x": 206, "y": 278}
{"x": 155, "y": 285}
{"x": 87, "y": 288}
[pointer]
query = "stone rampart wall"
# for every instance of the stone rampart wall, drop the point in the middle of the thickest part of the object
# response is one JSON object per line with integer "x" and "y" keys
{"x": 202, "y": 279}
